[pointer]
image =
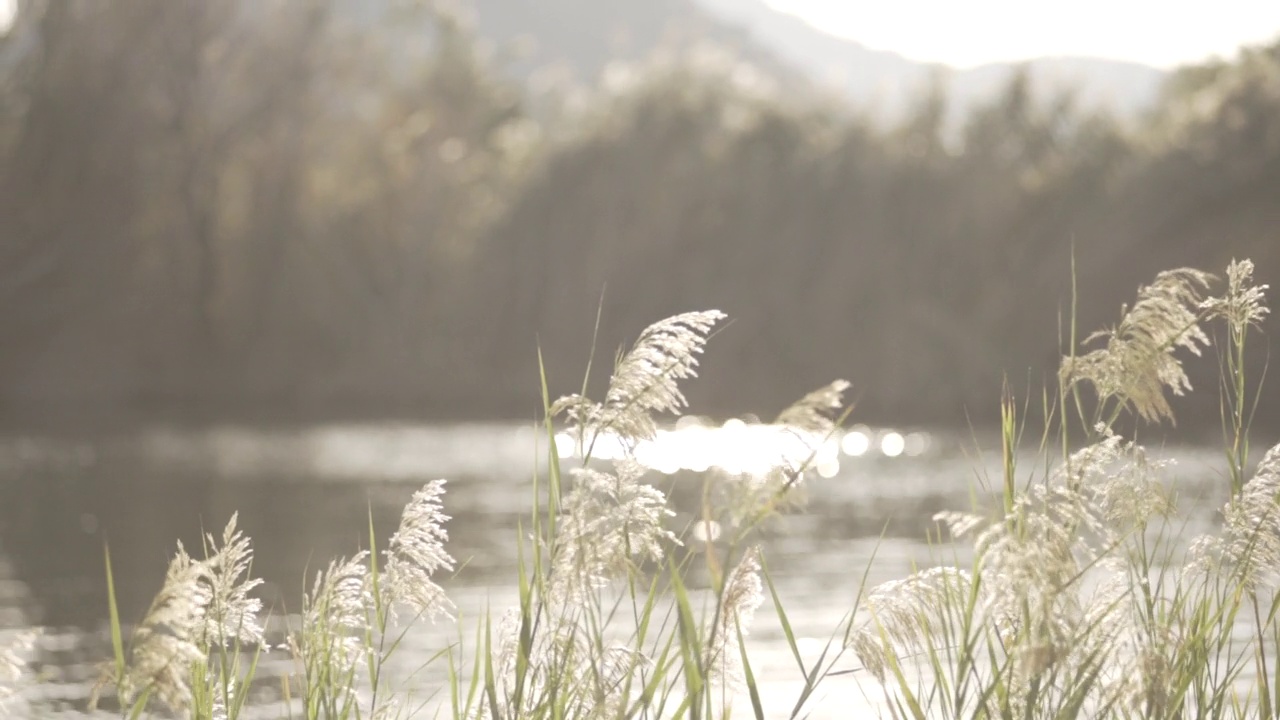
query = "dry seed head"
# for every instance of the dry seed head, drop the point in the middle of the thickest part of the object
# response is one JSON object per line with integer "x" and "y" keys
{"x": 1149, "y": 672}
{"x": 1245, "y": 303}
{"x": 562, "y": 656}
{"x": 1204, "y": 558}
{"x": 1118, "y": 483}
{"x": 12, "y": 661}
{"x": 231, "y": 616}
{"x": 608, "y": 675}
{"x": 202, "y": 606}
{"x": 416, "y": 552}
{"x": 508, "y": 642}
{"x": 1030, "y": 561}
{"x": 219, "y": 709}
{"x": 1251, "y": 537}
{"x": 1138, "y": 362}
{"x": 1132, "y": 495}
{"x": 906, "y": 614}
{"x": 813, "y": 412}
{"x": 645, "y": 378}
{"x": 11, "y": 651}
{"x": 1109, "y": 628}
{"x": 959, "y": 524}
{"x": 743, "y": 593}
{"x": 611, "y": 520}
{"x": 335, "y": 616}
{"x": 164, "y": 645}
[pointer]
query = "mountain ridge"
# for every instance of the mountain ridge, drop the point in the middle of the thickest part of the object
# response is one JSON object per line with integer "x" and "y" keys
{"x": 895, "y": 80}
{"x": 577, "y": 40}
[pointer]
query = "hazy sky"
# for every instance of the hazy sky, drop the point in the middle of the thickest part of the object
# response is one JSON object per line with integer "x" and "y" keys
{"x": 972, "y": 32}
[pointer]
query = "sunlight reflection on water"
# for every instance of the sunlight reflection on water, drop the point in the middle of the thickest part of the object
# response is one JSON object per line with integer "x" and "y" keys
{"x": 305, "y": 495}
{"x": 740, "y": 448}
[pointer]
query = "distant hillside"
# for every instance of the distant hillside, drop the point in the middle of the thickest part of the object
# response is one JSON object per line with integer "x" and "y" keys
{"x": 579, "y": 38}
{"x": 890, "y": 80}
{"x": 1124, "y": 87}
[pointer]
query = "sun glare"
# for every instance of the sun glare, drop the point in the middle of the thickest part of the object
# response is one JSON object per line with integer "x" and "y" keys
{"x": 984, "y": 31}
{"x": 741, "y": 448}
{"x": 8, "y": 11}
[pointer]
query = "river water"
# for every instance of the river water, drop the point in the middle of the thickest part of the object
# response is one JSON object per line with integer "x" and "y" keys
{"x": 304, "y": 497}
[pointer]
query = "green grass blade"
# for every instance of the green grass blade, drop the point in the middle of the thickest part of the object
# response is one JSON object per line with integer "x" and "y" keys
{"x": 690, "y": 648}
{"x": 787, "y": 632}
{"x": 113, "y": 610}
{"x": 553, "y": 455}
{"x": 749, "y": 677}
{"x": 241, "y": 694}
{"x": 140, "y": 704}
{"x": 490, "y": 680}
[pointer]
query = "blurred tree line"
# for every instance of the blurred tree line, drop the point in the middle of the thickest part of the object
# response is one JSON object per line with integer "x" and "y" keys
{"x": 297, "y": 210}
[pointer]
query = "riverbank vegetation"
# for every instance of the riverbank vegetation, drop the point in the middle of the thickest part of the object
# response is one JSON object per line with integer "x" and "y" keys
{"x": 295, "y": 212}
{"x": 1083, "y": 596}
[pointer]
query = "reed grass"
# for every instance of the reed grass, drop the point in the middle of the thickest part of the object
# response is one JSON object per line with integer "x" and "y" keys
{"x": 1083, "y": 598}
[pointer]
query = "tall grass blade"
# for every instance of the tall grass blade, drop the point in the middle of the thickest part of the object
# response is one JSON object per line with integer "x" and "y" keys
{"x": 749, "y": 678}
{"x": 113, "y": 614}
{"x": 783, "y": 621}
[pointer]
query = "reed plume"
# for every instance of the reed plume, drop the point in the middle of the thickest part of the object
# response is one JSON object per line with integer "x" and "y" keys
{"x": 612, "y": 522}
{"x": 164, "y": 646}
{"x": 416, "y": 552}
{"x": 742, "y": 595}
{"x": 906, "y": 616}
{"x": 232, "y": 616}
{"x": 1249, "y": 544}
{"x": 13, "y": 650}
{"x": 1138, "y": 361}
{"x": 1244, "y": 304}
{"x": 202, "y": 607}
{"x": 645, "y": 379}
{"x": 336, "y": 634}
{"x": 815, "y": 412}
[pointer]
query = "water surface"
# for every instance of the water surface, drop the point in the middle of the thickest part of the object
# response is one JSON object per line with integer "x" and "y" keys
{"x": 305, "y": 495}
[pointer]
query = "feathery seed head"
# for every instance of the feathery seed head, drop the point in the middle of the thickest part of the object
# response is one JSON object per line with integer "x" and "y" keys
{"x": 231, "y": 616}
{"x": 1204, "y": 557}
{"x": 335, "y": 618}
{"x": 645, "y": 378}
{"x": 611, "y": 519}
{"x": 1118, "y": 482}
{"x": 164, "y": 645}
{"x": 416, "y": 552}
{"x": 1138, "y": 362}
{"x": 1245, "y": 303}
{"x": 813, "y": 412}
{"x": 906, "y": 615}
{"x": 1107, "y": 611}
{"x": 797, "y": 437}
{"x": 202, "y": 606}
{"x": 13, "y": 661}
{"x": 1251, "y": 538}
{"x": 743, "y": 593}
{"x": 959, "y": 524}
{"x": 508, "y": 642}
{"x": 1030, "y": 562}
{"x": 1145, "y": 657}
